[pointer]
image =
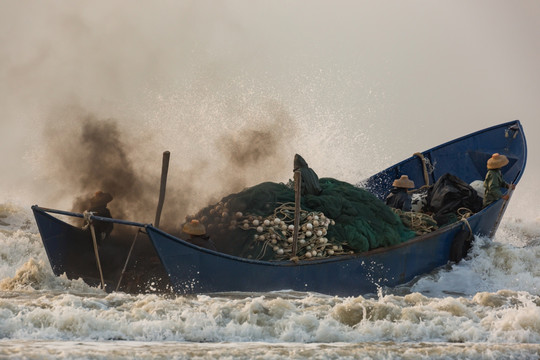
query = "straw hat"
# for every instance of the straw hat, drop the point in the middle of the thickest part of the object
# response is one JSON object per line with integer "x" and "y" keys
{"x": 194, "y": 228}
{"x": 403, "y": 182}
{"x": 496, "y": 161}
{"x": 100, "y": 198}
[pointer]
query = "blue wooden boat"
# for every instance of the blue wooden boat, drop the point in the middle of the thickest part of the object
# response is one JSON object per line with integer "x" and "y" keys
{"x": 192, "y": 269}
{"x": 128, "y": 261}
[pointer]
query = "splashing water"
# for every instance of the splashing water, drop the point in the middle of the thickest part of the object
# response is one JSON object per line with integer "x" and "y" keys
{"x": 492, "y": 298}
{"x": 234, "y": 90}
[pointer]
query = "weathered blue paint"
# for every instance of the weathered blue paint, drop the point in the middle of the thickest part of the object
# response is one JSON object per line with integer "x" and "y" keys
{"x": 195, "y": 270}
{"x": 70, "y": 251}
{"x": 59, "y": 240}
{"x": 192, "y": 269}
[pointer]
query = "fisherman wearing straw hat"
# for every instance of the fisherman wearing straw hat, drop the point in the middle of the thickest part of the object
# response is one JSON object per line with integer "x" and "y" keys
{"x": 197, "y": 235}
{"x": 494, "y": 180}
{"x": 398, "y": 197}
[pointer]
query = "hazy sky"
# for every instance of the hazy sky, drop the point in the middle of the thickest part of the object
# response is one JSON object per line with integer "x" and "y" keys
{"x": 353, "y": 86}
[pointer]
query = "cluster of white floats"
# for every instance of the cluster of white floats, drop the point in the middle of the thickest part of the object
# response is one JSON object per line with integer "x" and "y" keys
{"x": 277, "y": 233}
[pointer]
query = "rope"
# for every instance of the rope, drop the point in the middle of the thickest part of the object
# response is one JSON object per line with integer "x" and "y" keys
{"x": 87, "y": 217}
{"x": 424, "y": 167}
{"x": 276, "y": 232}
{"x": 422, "y": 223}
{"x": 464, "y": 213}
{"x": 418, "y": 222}
{"x": 127, "y": 259}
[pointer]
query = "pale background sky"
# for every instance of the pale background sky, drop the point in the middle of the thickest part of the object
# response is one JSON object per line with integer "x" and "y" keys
{"x": 353, "y": 86}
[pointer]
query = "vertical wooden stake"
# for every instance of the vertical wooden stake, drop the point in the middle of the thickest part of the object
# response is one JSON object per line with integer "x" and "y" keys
{"x": 127, "y": 259}
{"x": 96, "y": 252}
{"x": 164, "y": 171}
{"x": 297, "y": 198}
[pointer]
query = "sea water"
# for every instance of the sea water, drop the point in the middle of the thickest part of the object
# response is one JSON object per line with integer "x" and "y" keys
{"x": 352, "y": 86}
{"x": 485, "y": 307}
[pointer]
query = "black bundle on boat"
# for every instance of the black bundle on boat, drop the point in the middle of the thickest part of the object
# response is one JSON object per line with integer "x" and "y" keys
{"x": 448, "y": 195}
{"x": 361, "y": 221}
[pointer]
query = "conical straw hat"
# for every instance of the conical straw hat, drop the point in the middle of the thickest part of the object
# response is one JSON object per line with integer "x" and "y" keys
{"x": 403, "y": 182}
{"x": 194, "y": 228}
{"x": 497, "y": 161}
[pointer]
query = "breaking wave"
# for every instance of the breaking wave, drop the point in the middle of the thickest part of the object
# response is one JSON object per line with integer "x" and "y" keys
{"x": 491, "y": 297}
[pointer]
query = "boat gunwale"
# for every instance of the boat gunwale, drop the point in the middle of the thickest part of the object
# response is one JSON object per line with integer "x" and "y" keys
{"x": 92, "y": 217}
{"x": 461, "y": 138}
{"x": 285, "y": 263}
{"x": 292, "y": 263}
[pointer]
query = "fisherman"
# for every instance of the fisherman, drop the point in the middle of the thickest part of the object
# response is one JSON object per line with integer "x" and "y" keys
{"x": 398, "y": 197}
{"x": 197, "y": 235}
{"x": 310, "y": 180}
{"x": 494, "y": 180}
{"x": 98, "y": 206}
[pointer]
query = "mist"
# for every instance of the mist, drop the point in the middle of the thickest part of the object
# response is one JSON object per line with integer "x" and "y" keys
{"x": 91, "y": 94}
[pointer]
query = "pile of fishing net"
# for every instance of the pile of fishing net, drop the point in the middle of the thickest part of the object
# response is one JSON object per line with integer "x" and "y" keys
{"x": 342, "y": 218}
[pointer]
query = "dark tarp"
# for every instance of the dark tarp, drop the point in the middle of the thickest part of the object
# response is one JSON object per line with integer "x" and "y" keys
{"x": 449, "y": 194}
{"x": 310, "y": 180}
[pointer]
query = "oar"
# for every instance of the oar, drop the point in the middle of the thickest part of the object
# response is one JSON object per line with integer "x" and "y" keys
{"x": 501, "y": 212}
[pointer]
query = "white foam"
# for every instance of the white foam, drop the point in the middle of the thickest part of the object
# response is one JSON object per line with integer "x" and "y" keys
{"x": 501, "y": 317}
{"x": 490, "y": 297}
{"x": 492, "y": 266}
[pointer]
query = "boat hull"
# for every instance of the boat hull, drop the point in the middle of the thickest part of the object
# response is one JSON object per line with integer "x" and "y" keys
{"x": 195, "y": 270}
{"x": 191, "y": 269}
{"x": 71, "y": 252}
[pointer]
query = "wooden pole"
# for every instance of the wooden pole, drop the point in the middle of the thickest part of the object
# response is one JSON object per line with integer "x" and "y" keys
{"x": 424, "y": 167}
{"x": 96, "y": 252}
{"x": 127, "y": 259}
{"x": 164, "y": 171}
{"x": 297, "y": 198}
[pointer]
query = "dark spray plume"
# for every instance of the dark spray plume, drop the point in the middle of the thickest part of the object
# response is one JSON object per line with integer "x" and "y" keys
{"x": 107, "y": 167}
{"x": 92, "y": 155}
{"x": 259, "y": 152}
{"x": 87, "y": 154}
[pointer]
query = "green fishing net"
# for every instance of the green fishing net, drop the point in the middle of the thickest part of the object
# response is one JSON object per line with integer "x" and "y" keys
{"x": 361, "y": 221}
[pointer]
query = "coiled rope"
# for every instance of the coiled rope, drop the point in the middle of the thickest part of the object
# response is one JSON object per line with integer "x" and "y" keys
{"x": 465, "y": 213}
{"x": 418, "y": 222}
